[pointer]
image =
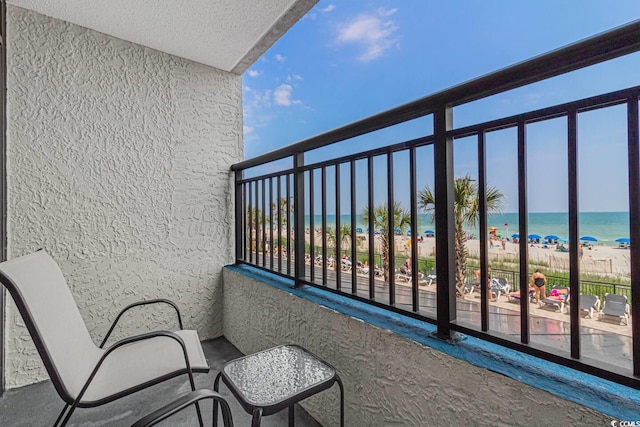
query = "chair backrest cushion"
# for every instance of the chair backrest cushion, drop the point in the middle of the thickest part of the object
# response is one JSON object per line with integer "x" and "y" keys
{"x": 47, "y": 306}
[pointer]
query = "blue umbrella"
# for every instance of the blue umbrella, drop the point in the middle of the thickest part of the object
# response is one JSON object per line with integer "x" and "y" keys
{"x": 409, "y": 232}
{"x": 534, "y": 236}
{"x": 588, "y": 239}
{"x": 515, "y": 235}
{"x": 551, "y": 237}
{"x": 429, "y": 232}
{"x": 623, "y": 240}
{"x": 397, "y": 230}
{"x": 358, "y": 230}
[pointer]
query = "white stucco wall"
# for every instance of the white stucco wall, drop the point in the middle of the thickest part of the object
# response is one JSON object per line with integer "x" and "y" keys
{"x": 118, "y": 165}
{"x": 388, "y": 379}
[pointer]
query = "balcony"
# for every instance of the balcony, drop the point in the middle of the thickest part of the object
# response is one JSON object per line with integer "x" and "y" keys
{"x": 144, "y": 166}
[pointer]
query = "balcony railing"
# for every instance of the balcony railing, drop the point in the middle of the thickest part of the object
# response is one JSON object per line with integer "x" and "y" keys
{"x": 272, "y": 209}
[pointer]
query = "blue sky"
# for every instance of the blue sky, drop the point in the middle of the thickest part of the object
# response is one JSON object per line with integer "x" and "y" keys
{"x": 346, "y": 60}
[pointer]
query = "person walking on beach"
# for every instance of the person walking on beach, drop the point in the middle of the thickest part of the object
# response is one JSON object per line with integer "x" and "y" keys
{"x": 581, "y": 251}
{"x": 504, "y": 244}
{"x": 539, "y": 284}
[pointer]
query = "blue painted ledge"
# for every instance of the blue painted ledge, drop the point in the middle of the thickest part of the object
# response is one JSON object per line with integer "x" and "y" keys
{"x": 617, "y": 401}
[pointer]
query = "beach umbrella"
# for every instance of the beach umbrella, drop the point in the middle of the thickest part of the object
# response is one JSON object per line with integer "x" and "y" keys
{"x": 551, "y": 237}
{"x": 588, "y": 239}
{"x": 409, "y": 232}
{"x": 358, "y": 230}
{"x": 429, "y": 232}
{"x": 534, "y": 236}
{"x": 623, "y": 240}
{"x": 397, "y": 230}
{"x": 515, "y": 236}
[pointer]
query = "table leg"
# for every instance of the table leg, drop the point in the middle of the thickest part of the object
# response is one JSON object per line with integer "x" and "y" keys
{"x": 341, "y": 400}
{"x": 257, "y": 416}
{"x": 216, "y": 385}
{"x": 292, "y": 415}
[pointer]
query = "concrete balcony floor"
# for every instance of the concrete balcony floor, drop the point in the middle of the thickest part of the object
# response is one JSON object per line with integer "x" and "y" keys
{"x": 39, "y": 404}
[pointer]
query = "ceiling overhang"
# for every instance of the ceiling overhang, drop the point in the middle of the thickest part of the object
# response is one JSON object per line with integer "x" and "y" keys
{"x": 226, "y": 34}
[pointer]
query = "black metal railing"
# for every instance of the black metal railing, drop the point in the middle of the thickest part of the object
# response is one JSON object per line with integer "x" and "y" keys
{"x": 279, "y": 240}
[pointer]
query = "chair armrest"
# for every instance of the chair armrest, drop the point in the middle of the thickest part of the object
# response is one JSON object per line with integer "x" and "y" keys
{"x": 136, "y": 304}
{"x": 130, "y": 340}
{"x": 183, "y": 402}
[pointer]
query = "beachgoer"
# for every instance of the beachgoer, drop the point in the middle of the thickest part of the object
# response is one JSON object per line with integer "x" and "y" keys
{"x": 581, "y": 251}
{"x": 539, "y": 284}
{"x": 504, "y": 244}
{"x": 476, "y": 281}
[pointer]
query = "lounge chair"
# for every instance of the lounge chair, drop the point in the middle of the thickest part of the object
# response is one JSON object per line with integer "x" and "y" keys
{"x": 617, "y": 306}
{"x": 499, "y": 286}
{"x": 558, "y": 297}
{"x": 83, "y": 374}
{"x": 589, "y": 303}
{"x": 431, "y": 277}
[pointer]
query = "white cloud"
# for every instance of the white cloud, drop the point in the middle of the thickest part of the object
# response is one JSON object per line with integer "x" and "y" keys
{"x": 387, "y": 12}
{"x": 373, "y": 34}
{"x": 328, "y": 8}
{"x": 292, "y": 77}
{"x": 253, "y": 73}
{"x": 279, "y": 57}
{"x": 282, "y": 96}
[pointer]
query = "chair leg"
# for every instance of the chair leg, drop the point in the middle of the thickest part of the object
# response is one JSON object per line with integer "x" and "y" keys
{"x": 193, "y": 388}
{"x": 66, "y": 406}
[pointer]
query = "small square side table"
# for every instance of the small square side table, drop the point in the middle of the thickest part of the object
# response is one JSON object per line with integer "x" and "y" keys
{"x": 277, "y": 378}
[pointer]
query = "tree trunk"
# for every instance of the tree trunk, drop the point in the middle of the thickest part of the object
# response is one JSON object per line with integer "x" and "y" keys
{"x": 461, "y": 255}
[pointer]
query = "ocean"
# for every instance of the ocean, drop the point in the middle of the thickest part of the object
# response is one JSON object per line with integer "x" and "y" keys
{"x": 604, "y": 226}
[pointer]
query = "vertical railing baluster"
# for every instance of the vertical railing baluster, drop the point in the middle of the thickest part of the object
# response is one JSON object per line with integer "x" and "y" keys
{"x": 372, "y": 236}
{"x": 390, "y": 230}
{"x": 354, "y": 224}
{"x": 263, "y": 235}
{"x": 338, "y": 231}
{"x": 323, "y": 195}
{"x": 312, "y": 235}
{"x": 257, "y": 223}
{"x": 634, "y": 220}
{"x": 298, "y": 218}
{"x": 445, "y": 221}
{"x": 239, "y": 206}
{"x": 484, "y": 251}
{"x": 574, "y": 260}
{"x": 413, "y": 197}
{"x": 288, "y": 191}
{"x": 279, "y": 242}
{"x": 248, "y": 213}
{"x": 523, "y": 233}
{"x": 271, "y": 224}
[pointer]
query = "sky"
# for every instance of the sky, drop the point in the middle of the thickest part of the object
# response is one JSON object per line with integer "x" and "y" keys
{"x": 347, "y": 60}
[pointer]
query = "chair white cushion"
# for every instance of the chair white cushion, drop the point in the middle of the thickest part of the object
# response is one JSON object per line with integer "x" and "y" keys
{"x": 144, "y": 361}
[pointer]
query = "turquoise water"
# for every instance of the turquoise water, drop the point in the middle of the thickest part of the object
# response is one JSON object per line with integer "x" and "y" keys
{"x": 605, "y": 226}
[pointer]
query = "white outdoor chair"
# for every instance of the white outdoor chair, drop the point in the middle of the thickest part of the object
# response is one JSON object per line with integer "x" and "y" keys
{"x": 83, "y": 374}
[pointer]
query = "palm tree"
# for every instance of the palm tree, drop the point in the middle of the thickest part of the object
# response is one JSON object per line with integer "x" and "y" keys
{"x": 259, "y": 236}
{"x": 466, "y": 210}
{"x": 344, "y": 236}
{"x": 401, "y": 220}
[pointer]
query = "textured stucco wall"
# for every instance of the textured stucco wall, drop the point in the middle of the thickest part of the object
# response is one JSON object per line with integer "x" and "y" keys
{"x": 118, "y": 165}
{"x": 389, "y": 380}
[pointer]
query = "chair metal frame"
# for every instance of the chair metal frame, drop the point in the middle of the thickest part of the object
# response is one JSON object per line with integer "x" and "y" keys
{"x": 72, "y": 403}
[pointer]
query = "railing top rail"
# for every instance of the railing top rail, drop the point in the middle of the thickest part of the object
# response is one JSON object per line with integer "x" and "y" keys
{"x": 602, "y": 47}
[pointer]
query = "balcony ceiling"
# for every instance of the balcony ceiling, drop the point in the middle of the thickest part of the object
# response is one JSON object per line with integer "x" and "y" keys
{"x": 226, "y": 34}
